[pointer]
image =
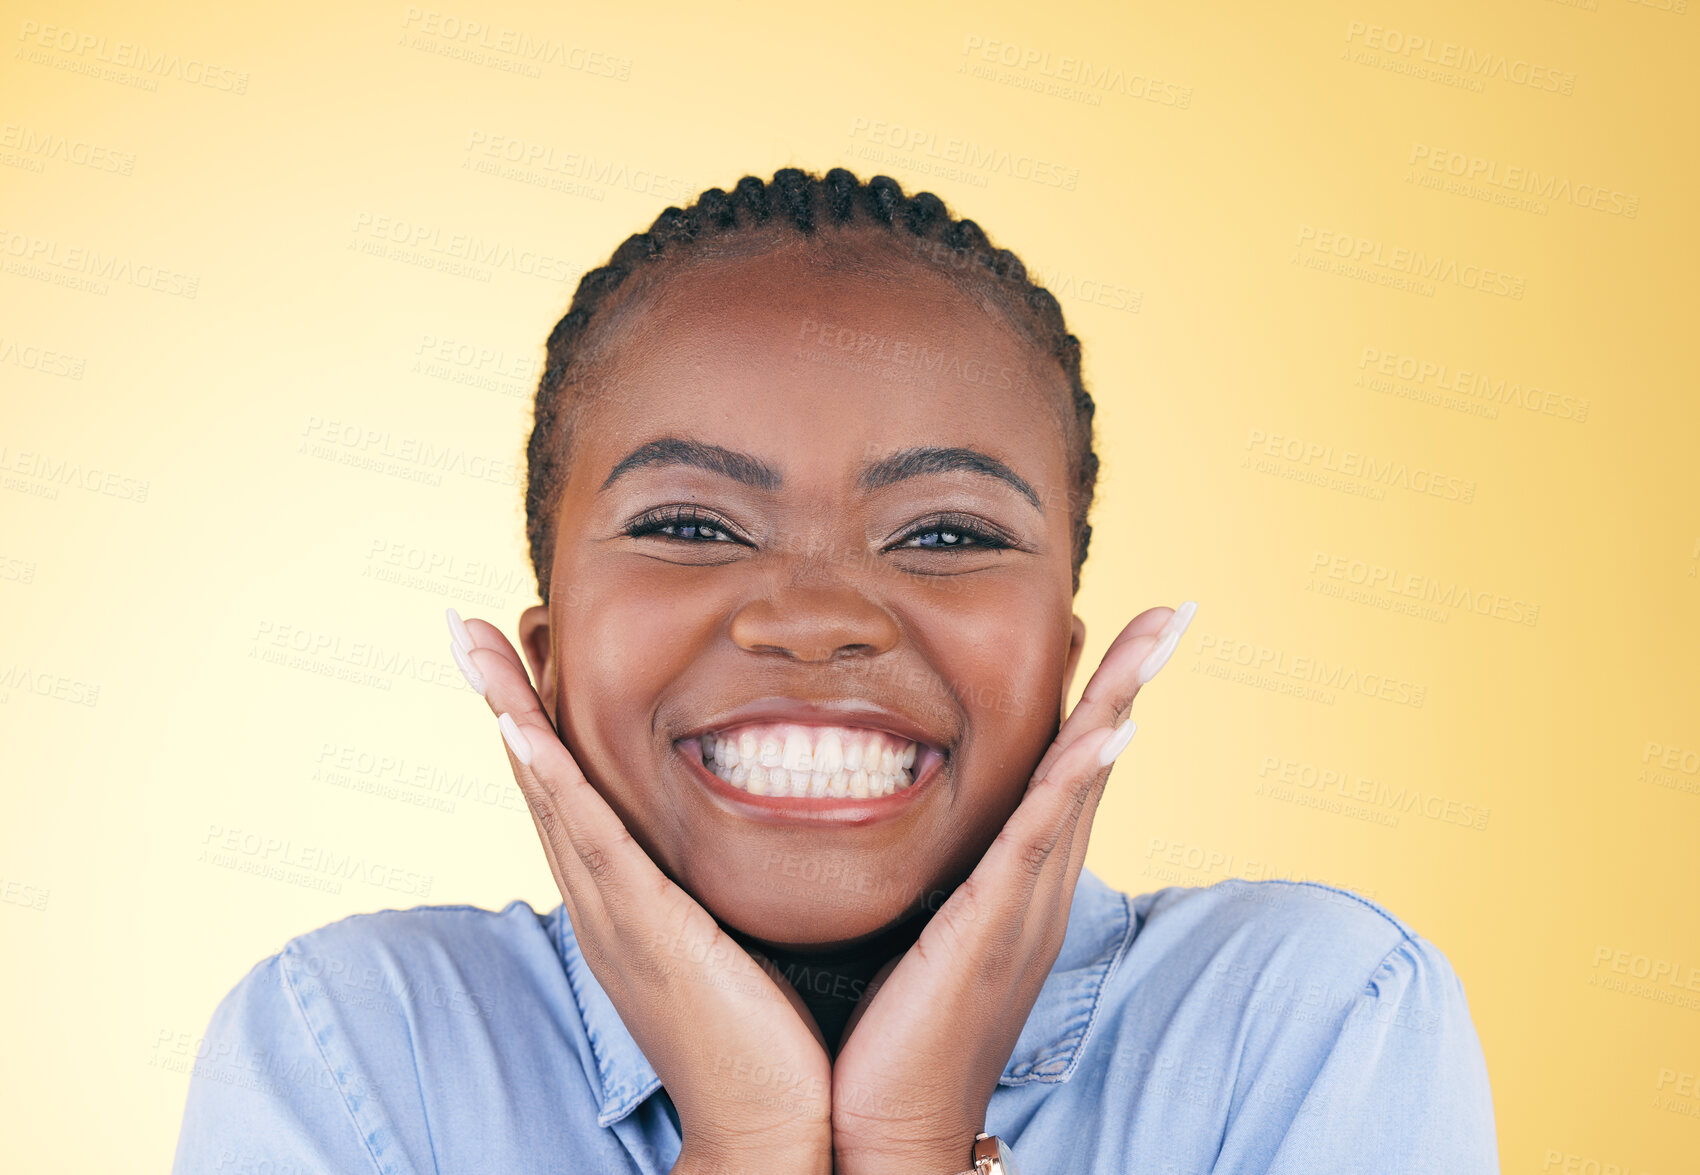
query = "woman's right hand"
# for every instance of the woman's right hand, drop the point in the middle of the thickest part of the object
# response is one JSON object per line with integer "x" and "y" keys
{"x": 730, "y": 1038}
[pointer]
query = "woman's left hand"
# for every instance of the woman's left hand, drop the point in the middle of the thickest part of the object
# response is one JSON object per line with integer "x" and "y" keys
{"x": 935, "y": 1028}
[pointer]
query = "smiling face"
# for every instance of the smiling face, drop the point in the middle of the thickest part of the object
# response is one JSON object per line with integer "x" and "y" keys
{"x": 753, "y": 566}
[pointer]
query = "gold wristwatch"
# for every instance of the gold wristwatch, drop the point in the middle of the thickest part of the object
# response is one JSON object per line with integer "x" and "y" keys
{"x": 991, "y": 1156}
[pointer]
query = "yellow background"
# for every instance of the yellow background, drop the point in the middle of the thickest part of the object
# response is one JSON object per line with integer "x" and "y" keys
{"x": 177, "y": 500}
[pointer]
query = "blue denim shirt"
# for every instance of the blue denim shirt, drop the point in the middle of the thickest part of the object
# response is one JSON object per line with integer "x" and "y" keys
{"x": 1251, "y": 1026}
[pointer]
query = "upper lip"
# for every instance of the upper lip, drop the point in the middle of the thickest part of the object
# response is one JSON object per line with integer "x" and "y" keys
{"x": 826, "y": 712}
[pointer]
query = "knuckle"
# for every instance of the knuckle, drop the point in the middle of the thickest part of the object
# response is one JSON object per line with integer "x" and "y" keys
{"x": 1033, "y": 856}
{"x": 598, "y": 862}
{"x": 548, "y": 822}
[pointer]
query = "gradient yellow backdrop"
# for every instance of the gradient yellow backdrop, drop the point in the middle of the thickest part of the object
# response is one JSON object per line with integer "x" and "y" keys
{"x": 1387, "y": 310}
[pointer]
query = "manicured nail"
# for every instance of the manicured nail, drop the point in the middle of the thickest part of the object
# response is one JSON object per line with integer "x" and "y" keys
{"x": 457, "y": 630}
{"x": 467, "y": 669}
{"x": 517, "y": 742}
{"x": 1182, "y": 617}
{"x": 1117, "y": 744}
{"x": 1168, "y": 641}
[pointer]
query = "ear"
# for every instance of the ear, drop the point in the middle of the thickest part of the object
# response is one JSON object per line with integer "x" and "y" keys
{"x": 535, "y": 642}
{"x": 1076, "y": 645}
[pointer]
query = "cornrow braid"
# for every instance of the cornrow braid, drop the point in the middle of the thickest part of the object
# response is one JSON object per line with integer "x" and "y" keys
{"x": 797, "y": 201}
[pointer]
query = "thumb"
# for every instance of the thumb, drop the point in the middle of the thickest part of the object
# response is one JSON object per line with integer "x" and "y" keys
{"x": 868, "y": 993}
{"x": 790, "y": 993}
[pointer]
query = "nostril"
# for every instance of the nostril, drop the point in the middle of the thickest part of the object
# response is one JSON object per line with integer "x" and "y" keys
{"x": 855, "y": 651}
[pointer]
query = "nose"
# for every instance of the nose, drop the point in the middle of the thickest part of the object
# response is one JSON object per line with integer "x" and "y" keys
{"x": 815, "y": 617}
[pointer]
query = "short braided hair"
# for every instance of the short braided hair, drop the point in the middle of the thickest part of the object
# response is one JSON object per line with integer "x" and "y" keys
{"x": 793, "y": 202}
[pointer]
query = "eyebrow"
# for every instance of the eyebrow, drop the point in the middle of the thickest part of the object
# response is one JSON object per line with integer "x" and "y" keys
{"x": 753, "y": 471}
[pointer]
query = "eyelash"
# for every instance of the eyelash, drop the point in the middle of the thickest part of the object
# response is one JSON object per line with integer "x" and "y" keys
{"x": 681, "y": 517}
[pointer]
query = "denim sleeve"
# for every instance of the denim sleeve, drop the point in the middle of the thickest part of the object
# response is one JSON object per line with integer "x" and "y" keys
{"x": 262, "y": 1098}
{"x": 1403, "y": 1089}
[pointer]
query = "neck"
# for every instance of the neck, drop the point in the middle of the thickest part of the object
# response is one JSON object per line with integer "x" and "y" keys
{"x": 832, "y": 980}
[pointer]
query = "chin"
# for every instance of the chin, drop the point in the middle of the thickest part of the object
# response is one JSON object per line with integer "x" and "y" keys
{"x": 806, "y": 914}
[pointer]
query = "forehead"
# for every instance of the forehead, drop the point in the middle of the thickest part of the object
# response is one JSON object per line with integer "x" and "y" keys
{"x": 819, "y": 357}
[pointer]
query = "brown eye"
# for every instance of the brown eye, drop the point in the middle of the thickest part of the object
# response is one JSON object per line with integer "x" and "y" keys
{"x": 951, "y": 533}
{"x": 683, "y": 524}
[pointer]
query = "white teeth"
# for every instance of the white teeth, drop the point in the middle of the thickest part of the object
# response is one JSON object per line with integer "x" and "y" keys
{"x": 829, "y": 752}
{"x": 798, "y": 756}
{"x": 797, "y": 760}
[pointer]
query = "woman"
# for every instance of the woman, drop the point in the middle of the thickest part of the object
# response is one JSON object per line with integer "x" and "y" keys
{"x": 807, "y": 501}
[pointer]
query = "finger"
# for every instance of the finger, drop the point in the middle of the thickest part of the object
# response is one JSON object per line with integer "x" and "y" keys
{"x": 791, "y": 994}
{"x": 1055, "y": 889}
{"x": 605, "y": 867}
{"x": 1133, "y": 658}
{"x": 1107, "y": 692}
{"x": 1056, "y": 806}
{"x": 498, "y": 668}
{"x": 868, "y": 994}
{"x": 1003, "y": 891}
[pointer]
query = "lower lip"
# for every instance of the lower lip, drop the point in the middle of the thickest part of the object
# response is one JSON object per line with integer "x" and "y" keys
{"x": 810, "y": 809}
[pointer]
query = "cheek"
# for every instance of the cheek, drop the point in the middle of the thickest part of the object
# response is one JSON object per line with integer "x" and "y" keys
{"x": 617, "y": 653}
{"x": 1004, "y": 665}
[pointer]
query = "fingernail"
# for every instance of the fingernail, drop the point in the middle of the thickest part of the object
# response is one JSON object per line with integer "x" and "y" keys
{"x": 517, "y": 742}
{"x": 1117, "y": 744}
{"x": 1168, "y": 641}
{"x": 1182, "y": 617}
{"x": 457, "y": 630}
{"x": 467, "y": 669}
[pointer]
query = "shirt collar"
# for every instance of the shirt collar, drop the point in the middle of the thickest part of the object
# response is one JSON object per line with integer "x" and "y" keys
{"x": 1101, "y": 926}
